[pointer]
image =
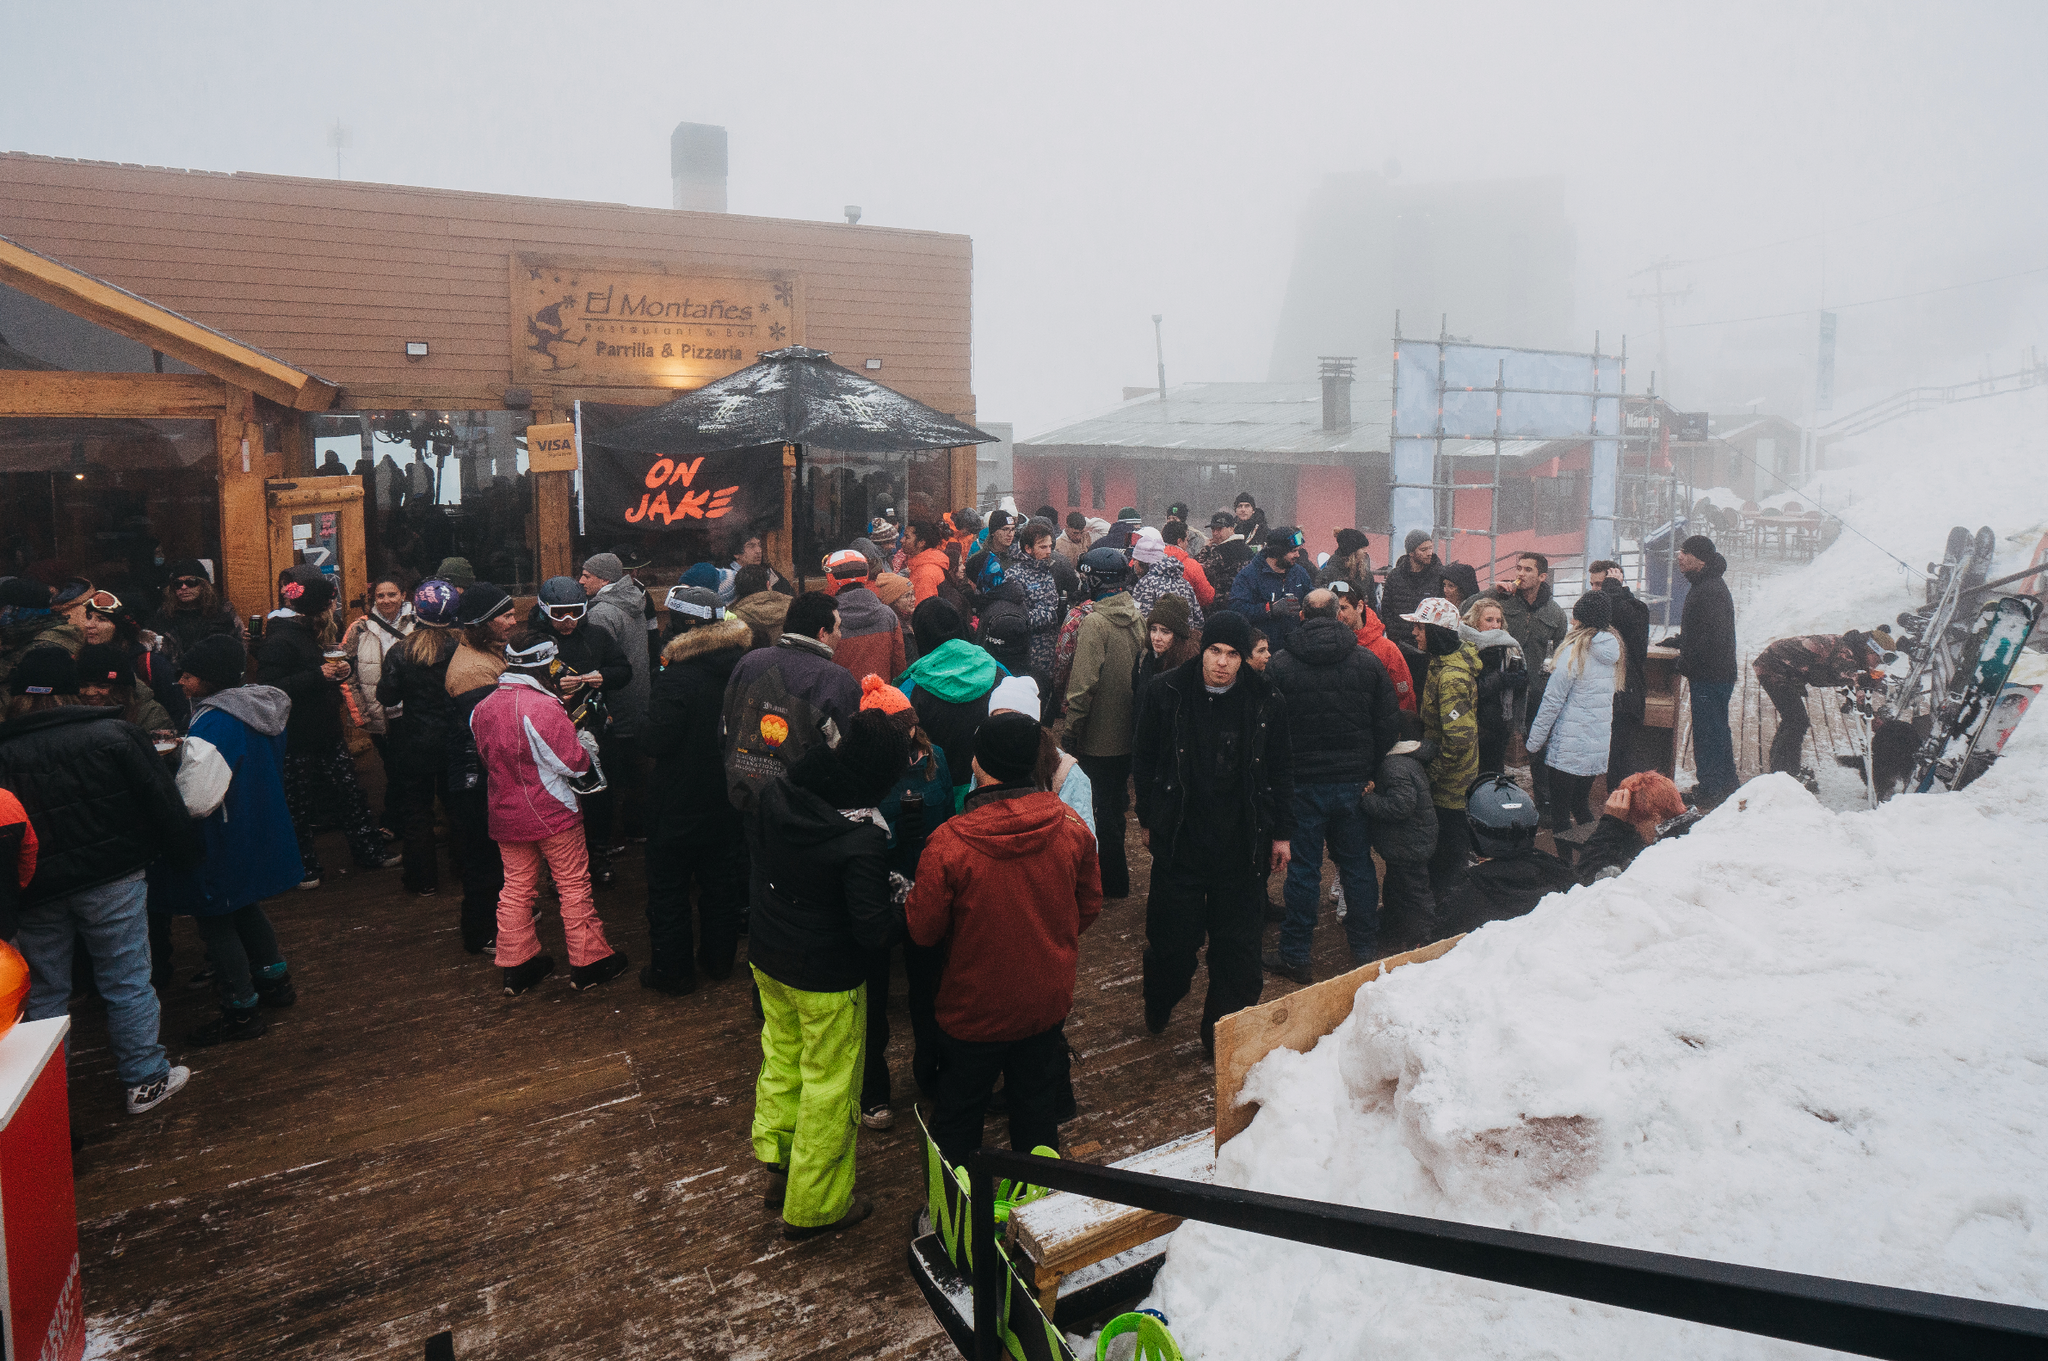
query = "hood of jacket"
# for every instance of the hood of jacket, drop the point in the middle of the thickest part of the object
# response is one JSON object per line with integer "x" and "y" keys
{"x": 1011, "y": 828}
{"x": 1120, "y": 610}
{"x": 930, "y": 557}
{"x": 705, "y": 639}
{"x": 626, "y": 593}
{"x": 1713, "y": 566}
{"x": 1606, "y": 647}
{"x": 263, "y": 707}
{"x": 1322, "y": 642}
{"x": 803, "y": 819}
{"x": 1427, "y": 749}
{"x": 957, "y": 671}
{"x": 1490, "y": 638}
{"x": 1370, "y": 629}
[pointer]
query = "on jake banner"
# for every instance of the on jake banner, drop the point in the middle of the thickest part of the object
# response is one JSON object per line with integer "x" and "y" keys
{"x": 703, "y": 505}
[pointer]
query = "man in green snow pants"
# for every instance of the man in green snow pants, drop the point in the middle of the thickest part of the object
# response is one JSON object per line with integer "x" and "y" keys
{"x": 820, "y": 903}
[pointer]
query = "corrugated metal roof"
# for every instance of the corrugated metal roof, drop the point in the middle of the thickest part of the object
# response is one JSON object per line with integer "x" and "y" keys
{"x": 1227, "y": 420}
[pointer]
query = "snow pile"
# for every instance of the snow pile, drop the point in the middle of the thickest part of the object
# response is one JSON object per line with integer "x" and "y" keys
{"x": 1971, "y": 464}
{"x": 1795, "y": 1039}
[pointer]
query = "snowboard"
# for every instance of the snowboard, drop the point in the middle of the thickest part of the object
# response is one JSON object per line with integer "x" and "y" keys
{"x": 1962, "y": 718}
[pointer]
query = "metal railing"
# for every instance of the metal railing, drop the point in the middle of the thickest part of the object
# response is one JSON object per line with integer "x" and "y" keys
{"x": 1847, "y": 1316}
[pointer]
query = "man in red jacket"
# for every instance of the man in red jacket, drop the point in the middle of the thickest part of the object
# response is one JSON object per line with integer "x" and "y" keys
{"x": 1356, "y": 615}
{"x": 870, "y": 633}
{"x": 1008, "y": 886}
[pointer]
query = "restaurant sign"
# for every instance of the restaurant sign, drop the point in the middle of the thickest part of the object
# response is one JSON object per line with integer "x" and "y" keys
{"x": 596, "y": 323}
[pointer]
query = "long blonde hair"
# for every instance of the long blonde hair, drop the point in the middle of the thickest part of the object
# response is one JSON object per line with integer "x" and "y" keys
{"x": 1578, "y": 643}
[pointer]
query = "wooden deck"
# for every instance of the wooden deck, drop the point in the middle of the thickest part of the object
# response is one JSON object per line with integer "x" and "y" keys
{"x": 551, "y": 1176}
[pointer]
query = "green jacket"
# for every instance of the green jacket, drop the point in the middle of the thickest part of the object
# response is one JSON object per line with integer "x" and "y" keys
{"x": 1100, "y": 712}
{"x": 1450, "y": 718}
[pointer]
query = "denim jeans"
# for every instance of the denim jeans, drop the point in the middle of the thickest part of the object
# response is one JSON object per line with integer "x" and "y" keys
{"x": 1330, "y": 812}
{"x": 112, "y": 920}
{"x": 1713, "y": 746}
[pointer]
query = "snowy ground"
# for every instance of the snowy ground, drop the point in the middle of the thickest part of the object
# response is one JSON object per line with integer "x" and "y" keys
{"x": 1797, "y": 1038}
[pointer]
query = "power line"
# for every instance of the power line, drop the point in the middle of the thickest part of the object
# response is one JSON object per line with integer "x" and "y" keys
{"x": 1867, "y": 302}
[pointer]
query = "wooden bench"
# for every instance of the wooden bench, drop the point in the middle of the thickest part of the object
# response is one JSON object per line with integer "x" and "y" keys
{"x": 1063, "y": 1233}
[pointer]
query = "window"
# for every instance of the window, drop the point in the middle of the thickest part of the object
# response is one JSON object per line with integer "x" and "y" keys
{"x": 1095, "y": 486}
{"x": 1517, "y": 504}
{"x": 1073, "y": 484}
{"x": 1560, "y": 503}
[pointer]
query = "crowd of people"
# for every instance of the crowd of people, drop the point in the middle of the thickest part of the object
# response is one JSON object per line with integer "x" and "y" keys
{"x": 936, "y": 751}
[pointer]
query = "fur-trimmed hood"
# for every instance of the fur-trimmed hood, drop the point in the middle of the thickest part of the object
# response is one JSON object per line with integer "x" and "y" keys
{"x": 712, "y": 637}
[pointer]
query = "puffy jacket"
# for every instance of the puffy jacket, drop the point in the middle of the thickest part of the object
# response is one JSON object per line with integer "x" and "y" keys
{"x": 1192, "y": 570}
{"x": 1163, "y": 752}
{"x": 99, "y": 797}
{"x": 1372, "y": 636}
{"x": 1576, "y": 722}
{"x": 1167, "y": 577}
{"x": 1502, "y": 889}
{"x": 1005, "y": 628}
{"x": 620, "y": 609}
{"x": 808, "y": 672}
{"x": 1400, "y": 806}
{"x": 1408, "y": 585}
{"x": 1100, "y": 713}
{"x": 251, "y": 852}
{"x": 927, "y": 572}
{"x": 17, "y": 861}
{"x": 1539, "y": 627}
{"x": 290, "y": 659}
{"x": 370, "y": 640}
{"x": 1706, "y": 629}
{"x": 1450, "y": 720}
{"x": 1341, "y": 706}
{"x": 1007, "y": 887}
{"x": 419, "y": 695}
{"x": 1152, "y": 665}
{"x": 949, "y": 688}
{"x": 820, "y": 891}
{"x": 686, "y": 797}
{"x": 529, "y": 752}
{"x": 1258, "y": 587}
{"x": 870, "y": 634}
{"x": 1044, "y": 594}
{"x": 1632, "y": 622}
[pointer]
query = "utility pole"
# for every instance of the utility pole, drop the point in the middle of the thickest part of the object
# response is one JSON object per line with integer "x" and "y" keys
{"x": 1159, "y": 343}
{"x": 1658, "y": 295}
{"x": 338, "y": 137}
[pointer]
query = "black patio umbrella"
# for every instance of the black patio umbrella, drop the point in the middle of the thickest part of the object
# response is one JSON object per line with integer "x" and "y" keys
{"x": 793, "y": 396}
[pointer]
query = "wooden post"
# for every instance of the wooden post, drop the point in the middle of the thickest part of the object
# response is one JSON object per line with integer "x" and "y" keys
{"x": 553, "y": 498}
{"x": 245, "y": 573}
{"x": 961, "y": 483}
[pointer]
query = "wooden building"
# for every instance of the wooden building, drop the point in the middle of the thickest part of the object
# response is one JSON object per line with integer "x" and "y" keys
{"x": 260, "y": 370}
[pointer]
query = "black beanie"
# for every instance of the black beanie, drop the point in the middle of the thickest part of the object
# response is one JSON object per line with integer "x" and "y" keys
{"x": 1006, "y": 745}
{"x": 1594, "y": 610}
{"x": 1349, "y": 541}
{"x": 1699, "y": 546}
{"x": 312, "y": 596}
{"x": 24, "y": 593}
{"x": 220, "y": 661}
{"x": 104, "y": 664}
{"x": 44, "y": 671}
{"x": 191, "y": 567}
{"x": 1231, "y": 628}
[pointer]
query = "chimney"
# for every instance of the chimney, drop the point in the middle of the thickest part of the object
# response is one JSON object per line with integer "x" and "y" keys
{"x": 696, "y": 164}
{"x": 1337, "y": 375}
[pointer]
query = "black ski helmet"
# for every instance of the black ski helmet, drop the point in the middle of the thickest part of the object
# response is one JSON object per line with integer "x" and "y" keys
{"x": 1103, "y": 569}
{"x": 1501, "y": 816}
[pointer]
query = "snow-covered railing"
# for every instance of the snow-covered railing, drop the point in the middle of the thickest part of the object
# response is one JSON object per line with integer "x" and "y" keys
{"x": 1847, "y": 1316}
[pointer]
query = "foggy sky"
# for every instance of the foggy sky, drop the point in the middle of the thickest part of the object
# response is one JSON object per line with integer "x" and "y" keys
{"x": 1112, "y": 161}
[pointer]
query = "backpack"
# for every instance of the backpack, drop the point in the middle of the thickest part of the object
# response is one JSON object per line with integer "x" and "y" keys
{"x": 767, "y": 731}
{"x": 1006, "y": 628}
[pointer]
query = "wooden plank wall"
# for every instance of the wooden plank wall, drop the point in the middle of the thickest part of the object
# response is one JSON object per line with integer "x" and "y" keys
{"x": 335, "y": 277}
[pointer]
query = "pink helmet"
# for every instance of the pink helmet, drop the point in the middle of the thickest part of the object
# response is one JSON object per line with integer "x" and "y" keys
{"x": 1438, "y": 611}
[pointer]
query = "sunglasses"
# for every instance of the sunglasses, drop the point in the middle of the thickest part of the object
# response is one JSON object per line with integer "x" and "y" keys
{"x": 565, "y": 611}
{"x": 187, "y": 583}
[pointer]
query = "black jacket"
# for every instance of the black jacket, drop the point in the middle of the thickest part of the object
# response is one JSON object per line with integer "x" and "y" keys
{"x": 820, "y": 891}
{"x": 1706, "y": 630}
{"x": 1614, "y": 845}
{"x": 420, "y": 737}
{"x": 684, "y": 734}
{"x": 1341, "y": 707}
{"x": 1501, "y": 890}
{"x": 1406, "y": 587}
{"x": 100, "y": 798}
{"x": 589, "y": 649}
{"x": 1163, "y": 751}
{"x": 1632, "y": 622}
{"x": 290, "y": 659}
{"x": 1401, "y": 808}
{"x": 1498, "y": 687}
{"x": 185, "y": 628}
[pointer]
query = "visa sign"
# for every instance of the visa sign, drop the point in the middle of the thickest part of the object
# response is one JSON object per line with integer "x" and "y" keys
{"x": 551, "y": 448}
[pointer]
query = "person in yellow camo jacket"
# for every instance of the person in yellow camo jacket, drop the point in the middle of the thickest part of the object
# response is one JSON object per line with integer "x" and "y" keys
{"x": 1450, "y": 718}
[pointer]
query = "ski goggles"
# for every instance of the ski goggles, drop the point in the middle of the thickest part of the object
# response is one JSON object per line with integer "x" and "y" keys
{"x": 103, "y": 602}
{"x": 559, "y": 612}
{"x": 1341, "y": 588}
{"x": 539, "y": 654}
{"x": 690, "y": 600}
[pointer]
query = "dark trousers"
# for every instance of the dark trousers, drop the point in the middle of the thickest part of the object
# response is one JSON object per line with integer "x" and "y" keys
{"x": 1621, "y": 751}
{"x": 1453, "y": 851}
{"x": 321, "y": 790}
{"x": 921, "y": 967}
{"x": 1191, "y": 902}
{"x": 1030, "y": 1070}
{"x": 1571, "y": 797}
{"x": 629, "y": 777}
{"x": 389, "y": 818}
{"x": 714, "y": 861}
{"x": 1407, "y": 907}
{"x": 240, "y": 944}
{"x": 1330, "y": 813}
{"x": 421, "y": 783}
{"x": 1111, "y": 778}
{"x": 1790, "y": 701}
{"x": 1493, "y": 749}
{"x": 1713, "y": 745}
{"x": 1541, "y": 786}
{"x": 481, "y": 867}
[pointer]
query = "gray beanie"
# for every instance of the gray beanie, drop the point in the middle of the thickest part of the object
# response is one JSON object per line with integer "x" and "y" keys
{"x": 1415, "y": 536}
{"x": 606, "y": 565}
